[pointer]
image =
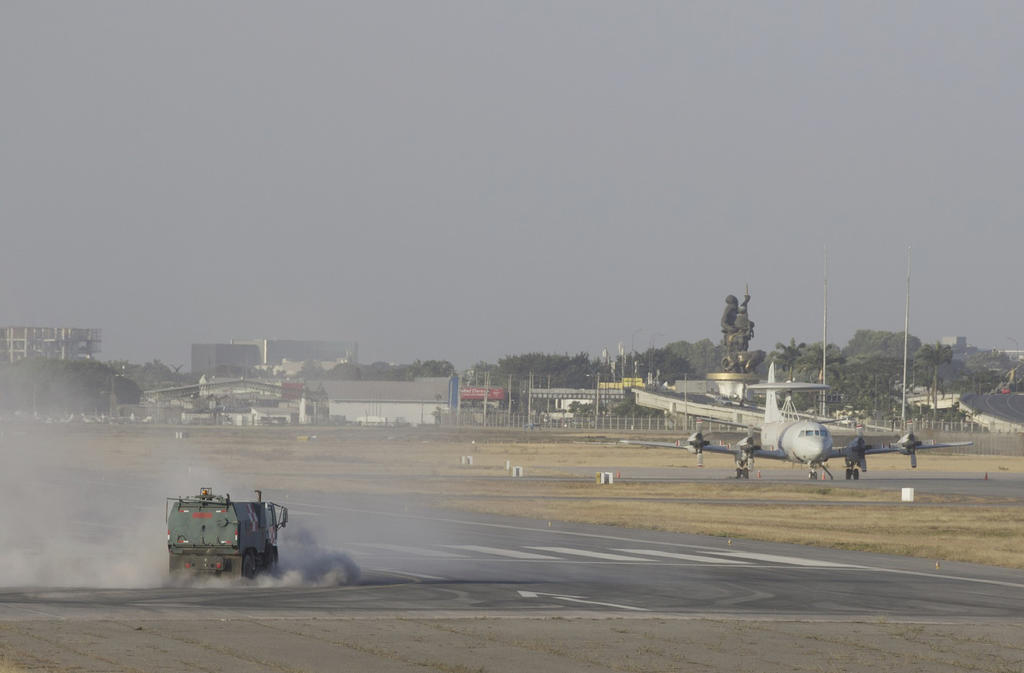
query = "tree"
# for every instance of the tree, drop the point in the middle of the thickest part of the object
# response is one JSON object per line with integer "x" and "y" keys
{"x": 702, "y": 356}
{"x": 628, "y": 407}
{"x": 869, "y": 384}
{"x": 665, "y": 364}
{"x": 430, "y": 368}
{"x": 564, "y": 371}
{"x": 578, "y": 409}
{"x": 311, "y": 371}
{"x": 153, "y": 375}
{"x": 867, "y": 342}
{"x": 931, "y": 358}
{"x": 788, "y": 356}
{"x": 346, "y": 371}
{"x": 64, "y": 386}
{"x": 809, "y": 363}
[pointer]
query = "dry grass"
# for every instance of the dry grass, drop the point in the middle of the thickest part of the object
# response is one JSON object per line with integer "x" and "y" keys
{"x": 434, "y": 453}
{"x": 6, "y": 666}
{"x": 988, "y": 535}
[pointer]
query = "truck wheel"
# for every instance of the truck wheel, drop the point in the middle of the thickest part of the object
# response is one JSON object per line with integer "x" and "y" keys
{"x": 249, "y": 565}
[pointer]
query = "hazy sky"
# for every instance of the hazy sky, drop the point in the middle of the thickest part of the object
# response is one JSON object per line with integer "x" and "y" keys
{"x": 465, "y": 180}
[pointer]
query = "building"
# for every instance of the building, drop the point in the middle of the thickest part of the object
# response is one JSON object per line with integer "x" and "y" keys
{"x": 420, "y": 402}
{"x": 234, "y": 358}
{"x": 53, "y": 343}
{"x": 282, "y": 357}
{"x": 276, "y": 351}
{"x": 562, "y": 398}
{"x": 957, "y": 346}
{"x": 214, "y": 401}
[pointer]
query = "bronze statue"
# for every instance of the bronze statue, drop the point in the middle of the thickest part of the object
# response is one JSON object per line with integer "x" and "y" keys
{"x": 737, "y": 331}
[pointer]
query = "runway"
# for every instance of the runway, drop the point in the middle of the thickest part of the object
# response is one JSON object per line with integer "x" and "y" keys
{"x": 437, "y": 562}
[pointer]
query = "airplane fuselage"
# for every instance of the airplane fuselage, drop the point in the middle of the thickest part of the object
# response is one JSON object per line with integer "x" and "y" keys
{"x": 802, "y": 441}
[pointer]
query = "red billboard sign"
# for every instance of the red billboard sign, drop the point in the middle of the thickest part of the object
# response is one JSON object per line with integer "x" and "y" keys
{"x": 291, "y": 390}
{"x": 493, "y": 394}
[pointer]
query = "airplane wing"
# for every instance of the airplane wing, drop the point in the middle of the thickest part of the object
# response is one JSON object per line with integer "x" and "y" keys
{"x": 900, "y": 449}
{"x": 710, "y": 448}
{"x": 713, "y": 448}
{"x": 745, "y": 426}
{"x": 908, "y": 445}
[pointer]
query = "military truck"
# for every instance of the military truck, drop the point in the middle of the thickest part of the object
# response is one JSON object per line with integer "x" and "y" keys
{"x": 211, "y": 534}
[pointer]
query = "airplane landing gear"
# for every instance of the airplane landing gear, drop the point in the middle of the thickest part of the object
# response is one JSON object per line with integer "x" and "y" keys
{"x": 852, "y": 473}
{"x": 812, "y": 474}
{"x": 743, "y": 473}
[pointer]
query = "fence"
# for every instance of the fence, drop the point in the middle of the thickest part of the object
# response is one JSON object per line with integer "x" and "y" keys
{"x": 660, "y": 423}
{"x": 637, "y": 423}
{"x": 498, "y": 419}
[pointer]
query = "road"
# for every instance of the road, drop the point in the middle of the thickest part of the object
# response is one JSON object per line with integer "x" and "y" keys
{"x": 1006, "y": 407}
{"x": 452, "y": 591}
{"x": 439, "y": 562}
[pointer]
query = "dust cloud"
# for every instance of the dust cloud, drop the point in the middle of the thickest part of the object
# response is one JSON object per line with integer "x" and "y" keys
{"x": 78, "y": 518}
{"x": 83, "y": 513}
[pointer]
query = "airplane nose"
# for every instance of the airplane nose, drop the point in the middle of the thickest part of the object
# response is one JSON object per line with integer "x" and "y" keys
{"x": 810, "y": 448}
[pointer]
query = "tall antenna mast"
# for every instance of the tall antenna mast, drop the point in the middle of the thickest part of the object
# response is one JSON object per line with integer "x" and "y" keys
{"x": 824, "y": 335}
{"x": 906, "y": 336}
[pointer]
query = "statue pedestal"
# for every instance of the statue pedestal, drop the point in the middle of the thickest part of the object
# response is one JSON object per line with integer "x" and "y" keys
{"x": 731, "y": 384}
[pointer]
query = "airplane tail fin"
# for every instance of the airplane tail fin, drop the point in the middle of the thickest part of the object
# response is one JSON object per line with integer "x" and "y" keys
{"x": 771, "y": 404}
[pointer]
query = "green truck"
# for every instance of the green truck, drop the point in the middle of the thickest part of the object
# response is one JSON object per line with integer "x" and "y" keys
{"x": 211, "y": 534}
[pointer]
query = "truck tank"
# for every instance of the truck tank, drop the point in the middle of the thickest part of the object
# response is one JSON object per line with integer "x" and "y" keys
{"x": 210, "y": 534}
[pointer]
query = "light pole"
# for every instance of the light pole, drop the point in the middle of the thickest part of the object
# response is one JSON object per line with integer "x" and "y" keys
{"x": 632, "y": 348}
{"x": 1017, "y": 345}
{"x": 650, "y": 358}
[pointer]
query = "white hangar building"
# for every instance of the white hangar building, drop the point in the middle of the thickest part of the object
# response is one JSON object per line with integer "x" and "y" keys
{"x": 417, "y": 402}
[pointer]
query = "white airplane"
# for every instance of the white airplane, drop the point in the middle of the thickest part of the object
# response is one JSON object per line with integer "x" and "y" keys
{"x": 799, "y": 441}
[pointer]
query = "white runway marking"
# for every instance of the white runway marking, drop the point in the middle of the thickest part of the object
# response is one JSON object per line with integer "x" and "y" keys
{"x": 580, "y": 599}
{"x": 416, "y": 551}
{"x": 788, "y": 560}
{"x": 419, "y": 576}
{"x": 592, "y": 554}
{"x": 497, "y": 551}
{"x": 682, "y": 557}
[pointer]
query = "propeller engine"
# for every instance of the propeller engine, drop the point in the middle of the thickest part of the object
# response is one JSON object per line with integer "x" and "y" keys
{"x": 745, "y": 454}
{"x": 908, "y": 445}
{"x": 749, "y": 443}
{"x": 695, "y": 443}
{"x": 853, "y": 454}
